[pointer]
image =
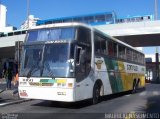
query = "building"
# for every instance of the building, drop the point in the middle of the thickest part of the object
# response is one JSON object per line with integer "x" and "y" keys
{"x": 30, "y": 22}
{"x": 91, "y": 19}
{"x": 3, "y": 26}
{"x": 3, "y": 11}
{"x": 98, "y": 19}
{"x": 139, "y": 18}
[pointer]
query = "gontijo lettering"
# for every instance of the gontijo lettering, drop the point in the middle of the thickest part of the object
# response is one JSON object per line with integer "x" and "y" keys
{"x": 132, "y": 67}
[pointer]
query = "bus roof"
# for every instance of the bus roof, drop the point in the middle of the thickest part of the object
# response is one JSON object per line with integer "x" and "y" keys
{"x": 60, "y": 25}
{"x": 86, "y": 26}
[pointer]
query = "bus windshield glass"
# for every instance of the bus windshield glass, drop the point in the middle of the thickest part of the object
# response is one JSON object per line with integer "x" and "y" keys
{"x": 48, "y": 60}
{"x": 67, "y": 33}
{"x": 56, "y": 60}
{"x": 32, "y": 60}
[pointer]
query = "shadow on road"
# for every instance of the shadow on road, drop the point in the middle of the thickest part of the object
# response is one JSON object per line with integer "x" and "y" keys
{"x": 79, "y": 104}
{"x": 153, "y": 104}
{"x": 4, "y": 100}
{"x": 69, "y": 105}
{"x": 152, "y": 107}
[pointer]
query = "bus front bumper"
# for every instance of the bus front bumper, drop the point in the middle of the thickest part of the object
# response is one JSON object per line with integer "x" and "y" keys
{"x": 54, "y": 94}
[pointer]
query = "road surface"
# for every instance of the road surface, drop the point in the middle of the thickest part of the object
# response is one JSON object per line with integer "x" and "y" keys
{"x": 144, "y": 102}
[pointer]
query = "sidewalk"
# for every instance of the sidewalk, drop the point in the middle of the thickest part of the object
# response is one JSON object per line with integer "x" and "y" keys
{"x": 7, "y": 97}
{"x": 2, "y": 80}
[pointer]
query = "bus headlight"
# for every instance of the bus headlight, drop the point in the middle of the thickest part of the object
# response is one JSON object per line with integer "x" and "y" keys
{"x": 61, "y": 84}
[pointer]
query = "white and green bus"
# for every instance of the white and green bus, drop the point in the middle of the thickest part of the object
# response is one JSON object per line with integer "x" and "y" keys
{"x": 70, "y": 62}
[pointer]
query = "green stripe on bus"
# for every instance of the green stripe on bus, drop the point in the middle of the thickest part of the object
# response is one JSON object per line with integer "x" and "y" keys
{"x": 114, "y": 75}
{"x": 47, "y": 81}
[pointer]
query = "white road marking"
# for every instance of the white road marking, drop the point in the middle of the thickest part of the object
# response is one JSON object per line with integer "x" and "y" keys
{"x": 143, "y": 93}
{"x": 156, "y": 93}
{"x": 153, "y": 93}
{"x": 14, "y": 102}
{"x": 2, "y": 104}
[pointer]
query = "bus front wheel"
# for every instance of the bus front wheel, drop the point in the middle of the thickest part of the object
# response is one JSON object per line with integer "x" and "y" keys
{"x": 96, "y": 94}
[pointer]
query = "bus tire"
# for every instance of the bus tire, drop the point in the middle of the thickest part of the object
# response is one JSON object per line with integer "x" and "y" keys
{"x": 96, "y": 94}
{"x": 138, "y": 85}
{"x": 134, "y": 87}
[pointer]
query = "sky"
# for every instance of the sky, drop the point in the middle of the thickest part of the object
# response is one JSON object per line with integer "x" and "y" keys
{"x": 48, "y": 9}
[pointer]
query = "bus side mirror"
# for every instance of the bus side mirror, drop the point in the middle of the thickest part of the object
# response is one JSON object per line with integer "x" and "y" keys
{"x": 78, "y": 55}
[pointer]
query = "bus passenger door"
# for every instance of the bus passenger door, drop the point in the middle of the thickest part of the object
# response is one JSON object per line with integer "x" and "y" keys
{"x": 82, "y": 69}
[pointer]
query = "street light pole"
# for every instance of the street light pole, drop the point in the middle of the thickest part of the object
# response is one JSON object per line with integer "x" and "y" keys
{"x": 155, "y": 9}
{"x": 157, "y": 52}
{"x": 156, "y": 15}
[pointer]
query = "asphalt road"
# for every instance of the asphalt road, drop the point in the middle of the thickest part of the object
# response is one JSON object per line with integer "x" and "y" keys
{"x": 143, "y": 102}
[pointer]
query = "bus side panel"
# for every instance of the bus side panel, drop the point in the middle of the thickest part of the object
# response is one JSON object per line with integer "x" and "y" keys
{"x": 121, "y": 78}
{"x": 84, "y": 88}
{"x": 114, "y": 75}
{"x": 127, "y": 78}
{"x": 142, "y": 81}
{"x": 124, "y": 76}
{"x": 102, "y": 74}
{"x": 132, "y": 71}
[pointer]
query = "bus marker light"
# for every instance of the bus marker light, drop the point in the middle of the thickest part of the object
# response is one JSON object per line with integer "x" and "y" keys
{"x": 61, "y": 81}
{"x": 23, "y": 93}
{"x": 70, "y": 85}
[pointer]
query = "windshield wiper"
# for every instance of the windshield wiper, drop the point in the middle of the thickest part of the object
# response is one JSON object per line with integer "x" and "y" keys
{"x": 49, "y": 70}
{"x": 30, "y": 71}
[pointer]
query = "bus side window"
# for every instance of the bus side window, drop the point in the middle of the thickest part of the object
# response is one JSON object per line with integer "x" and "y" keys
{"x": 129, "y": 54}
{"x": 97, "y": 44}
{"x": 115, "y": 49}
{"x": 121, "y": 52}
{"x": 110, "y": 48}
{"x": 106, "y": 52}
{"x": 84, "y": 35}
{"x": 100, "y": 45}
{"x": 134, "y": 56}
{"x": 103, "y": 46}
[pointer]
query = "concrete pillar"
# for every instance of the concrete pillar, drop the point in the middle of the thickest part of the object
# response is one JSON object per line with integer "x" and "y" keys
{"x": 157, "y": 68}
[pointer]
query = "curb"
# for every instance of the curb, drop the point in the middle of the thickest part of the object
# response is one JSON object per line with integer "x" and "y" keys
{"x": 15, "y": 102}
{"x": 2, "y": 90}
{"x": 2, "y": 82}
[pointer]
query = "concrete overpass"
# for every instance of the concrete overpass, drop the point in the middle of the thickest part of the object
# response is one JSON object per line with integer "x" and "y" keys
{"x": 138, "y": 34}
{"x": 7, "y": 45}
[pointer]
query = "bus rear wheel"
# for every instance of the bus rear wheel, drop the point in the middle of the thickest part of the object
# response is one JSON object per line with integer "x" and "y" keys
{"x": 96, "y": 94}
{"x": 135, "y": 86}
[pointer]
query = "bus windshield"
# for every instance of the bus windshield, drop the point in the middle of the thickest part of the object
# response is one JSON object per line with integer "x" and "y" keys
{"x": 48, "y": 60}
{"x": 49, "y": 34}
